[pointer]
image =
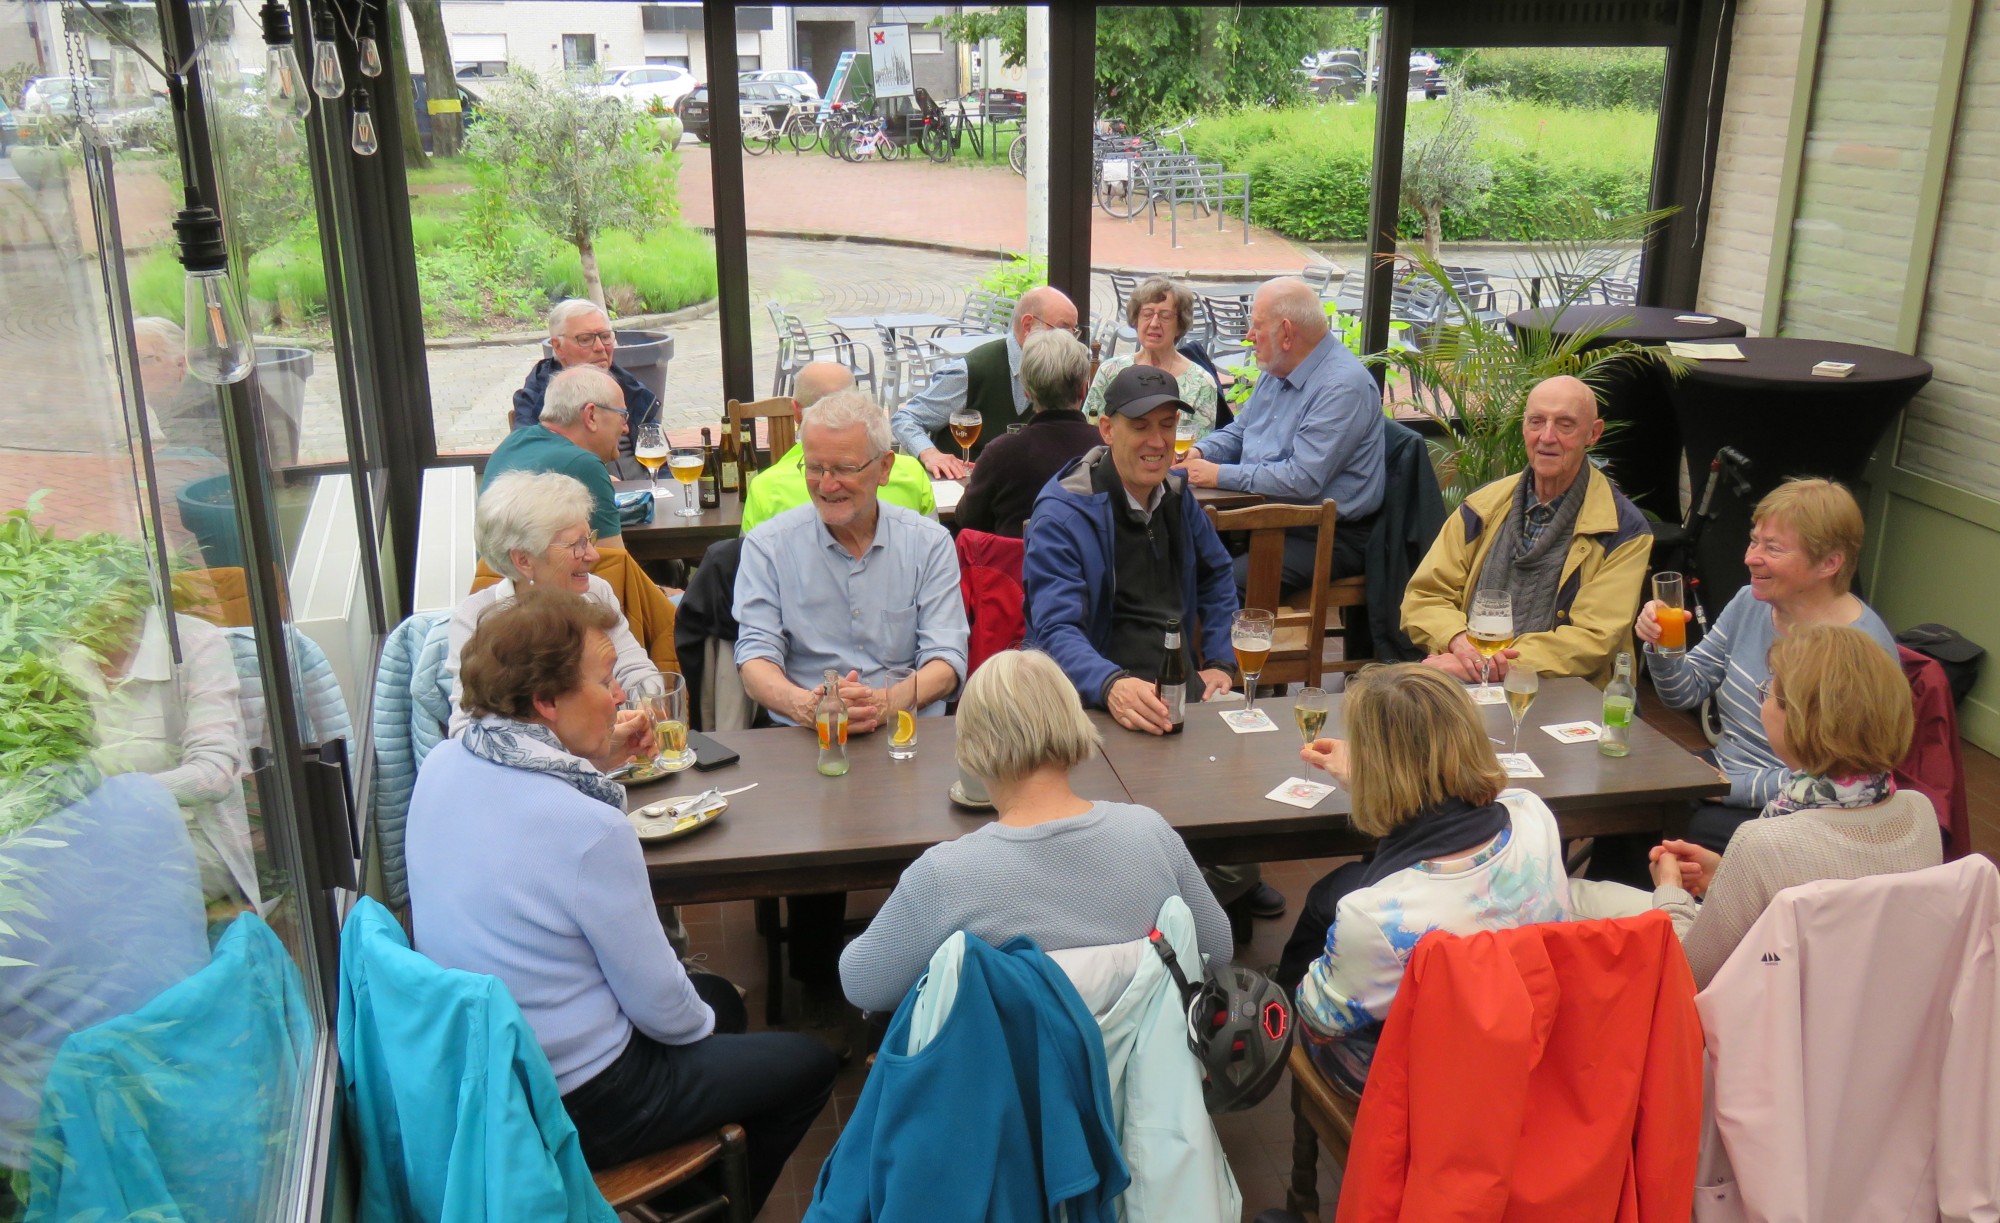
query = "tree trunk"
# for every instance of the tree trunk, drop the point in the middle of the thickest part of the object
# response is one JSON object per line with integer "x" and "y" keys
{"x": 1433, "y": 229}
{"x": 593, "y": 283}
{"x": 402, "y": 94}
{"x": 441, "y": 80}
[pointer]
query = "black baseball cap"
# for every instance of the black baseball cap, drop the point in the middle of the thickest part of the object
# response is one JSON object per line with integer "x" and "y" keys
{"x": 1138, "y": 389}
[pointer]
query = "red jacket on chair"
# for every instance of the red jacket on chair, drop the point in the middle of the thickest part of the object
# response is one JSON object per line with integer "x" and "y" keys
{"x": 989, "y": 580}
{"x": 1935, "y": 767}
{"x": 1548, "y": 1072}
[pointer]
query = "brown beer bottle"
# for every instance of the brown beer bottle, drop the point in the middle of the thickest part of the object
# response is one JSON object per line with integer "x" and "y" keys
{"x": 711, "y": 474}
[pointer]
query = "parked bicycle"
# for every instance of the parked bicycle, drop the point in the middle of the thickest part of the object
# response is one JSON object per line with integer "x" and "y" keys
{"x": 870, "y": 139}
{"x": 760, "y": 135}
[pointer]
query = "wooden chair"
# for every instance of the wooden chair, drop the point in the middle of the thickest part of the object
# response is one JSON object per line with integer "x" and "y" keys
{"x": 1320, "y": 1116}
{"x": 1298, "y": 640}
{"x": 776, "y": 415}
{"x": 633, "y": 1188}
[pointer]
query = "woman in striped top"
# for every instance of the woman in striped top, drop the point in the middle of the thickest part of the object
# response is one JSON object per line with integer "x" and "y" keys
{"x": 1805, "y": 542}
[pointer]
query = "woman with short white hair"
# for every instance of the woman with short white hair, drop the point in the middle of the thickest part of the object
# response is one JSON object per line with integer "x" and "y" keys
{"x": 1062, "y": 870}
{"x": 534, "y": 529}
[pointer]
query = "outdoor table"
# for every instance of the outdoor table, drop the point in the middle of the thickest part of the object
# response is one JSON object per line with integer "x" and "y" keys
{"x": 1643, "y": 453}
{"x": 1238, "y": 289}
{"x": 960, "y": 345}
{"x": 1788, "y": 421}
{"x": 798, "y": 832}
{"x": 889, "y": 322}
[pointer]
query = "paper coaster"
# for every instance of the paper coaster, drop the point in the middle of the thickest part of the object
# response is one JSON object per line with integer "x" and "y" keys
{"x": 1298, "y": 792}
{"x": 1575, "y": 732}
{"x": 1517, "y": 764}
{"x": 1248, "y": 722}
{"x": 1494, "y": 695}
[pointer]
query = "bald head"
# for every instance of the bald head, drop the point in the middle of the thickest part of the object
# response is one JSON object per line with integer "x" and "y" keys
{"x": 1559, "y": 424}
{"x": 1287, "y": 322}
{"x": 1042, "y": 308}
{"x": 817, "y": 380}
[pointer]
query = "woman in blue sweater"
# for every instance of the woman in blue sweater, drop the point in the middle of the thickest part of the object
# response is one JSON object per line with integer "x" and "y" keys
{"x": 523, "y": 866}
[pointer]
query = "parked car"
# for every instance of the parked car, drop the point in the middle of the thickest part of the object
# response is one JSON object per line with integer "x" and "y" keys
{"x": 468, "y": 102}
{"x": 481, "y": 70}
{"x": 993, "y": 104}
{"x": 644, "y": 82}
{"x": 777, "y": 101}
{"x": 792, "y": 77}
{"x": 58, "y": 93}
{"x": 1427, "y": 74}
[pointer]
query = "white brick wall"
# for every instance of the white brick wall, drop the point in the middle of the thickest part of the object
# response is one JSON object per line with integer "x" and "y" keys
{"x": 1763, "y": 64}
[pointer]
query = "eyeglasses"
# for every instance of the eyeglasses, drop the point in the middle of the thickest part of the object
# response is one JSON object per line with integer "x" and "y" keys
{"x": 839, "y": 471}
{"x": 605, "y": 407}
{"x": 1046, "y": 325}
{"x": 1769, "y": 689}
{"x": 580, "y": 548}
{"x": 591, "y": 339}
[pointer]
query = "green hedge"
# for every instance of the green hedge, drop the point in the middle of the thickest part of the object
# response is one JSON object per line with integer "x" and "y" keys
{"x": 1588, "y": 77}
{"x": 1310, "y": 169}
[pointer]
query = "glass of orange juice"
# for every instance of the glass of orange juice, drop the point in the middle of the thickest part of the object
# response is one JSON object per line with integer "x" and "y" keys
{"x": 899, "y": 711}
{"x": 1671, "y": 590}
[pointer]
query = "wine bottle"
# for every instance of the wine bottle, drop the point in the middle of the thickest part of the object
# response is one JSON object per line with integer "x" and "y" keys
{"x": 711, "y": 474}
{"x": 1171, "y": 687}
{"x": 732, "y": 471}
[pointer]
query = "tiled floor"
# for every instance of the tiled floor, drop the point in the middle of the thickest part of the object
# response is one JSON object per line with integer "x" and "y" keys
{"x": 1258, "y": 1142}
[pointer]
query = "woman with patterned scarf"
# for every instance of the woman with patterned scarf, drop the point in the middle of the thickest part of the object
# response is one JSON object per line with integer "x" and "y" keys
{"x": 523, "y": 866}
{"x": 1837, "y": 711}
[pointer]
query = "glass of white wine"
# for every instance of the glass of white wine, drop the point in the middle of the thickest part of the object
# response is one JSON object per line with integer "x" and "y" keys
{"x": 1521, "y": 685}
{"x": 1184, "y": 437}
{"x": 651, "y": 450}
{"x": 965, "y": 426}
{"x": 1310, "y": 712}
{"x": 1490, "y": 628}
{"x": 1250, "y": 636}
{"x": 669, "y": 708}
{"x": 686, "y": 466}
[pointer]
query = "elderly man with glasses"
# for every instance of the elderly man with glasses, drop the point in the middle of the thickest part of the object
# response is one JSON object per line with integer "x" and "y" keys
{"x": 853, "y": 585}
{"x": 580, "y": 334}
{"x": 987, "y": 381}
{"x": 583, "y": 418}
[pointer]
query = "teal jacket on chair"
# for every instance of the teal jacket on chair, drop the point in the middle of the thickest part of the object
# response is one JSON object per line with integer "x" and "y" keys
{"x": 455, "y": 1110}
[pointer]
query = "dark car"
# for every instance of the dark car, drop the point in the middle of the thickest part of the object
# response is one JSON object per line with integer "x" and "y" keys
{"x": 468, "y": 102}
{"x": 777, "y": 101}
{"x": 994, "y": 104}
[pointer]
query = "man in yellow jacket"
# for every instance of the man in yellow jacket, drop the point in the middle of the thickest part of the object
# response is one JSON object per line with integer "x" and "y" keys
{"x": 1566, "y": 545}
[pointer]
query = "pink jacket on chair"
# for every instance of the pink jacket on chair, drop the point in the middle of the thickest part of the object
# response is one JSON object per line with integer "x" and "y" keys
{"x": 1854, "y": 1048}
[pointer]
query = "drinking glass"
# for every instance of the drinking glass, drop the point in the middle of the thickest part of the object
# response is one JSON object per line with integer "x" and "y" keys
{"x": 965, "y": 426}
{"x": 1184, "y": 437}
{"x": 1490, "y": 628}
{"x": 686, "y": 466}
{"x": 643, "y": 697}
{"x": 1250, "y": 636}
{"x": 1310, "y": 712}
{"x": 669, "y": 710}
{"x": 651, "y": 451}
{"x": 1670, "y": 589}
{"x": 899, "y": 711}
{"x": 1521, "y": 685}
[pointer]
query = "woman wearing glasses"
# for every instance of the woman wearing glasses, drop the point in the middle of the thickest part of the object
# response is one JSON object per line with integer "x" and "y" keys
{"x": 534, "y": 529}
{"x": 1161, "y": 311}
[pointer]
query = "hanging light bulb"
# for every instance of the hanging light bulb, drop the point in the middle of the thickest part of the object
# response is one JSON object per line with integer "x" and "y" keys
{"x": 285, "y": 93}
{"x": 365, "y": 142}
{"x": 218, "y": 344}
{"x": 371, "y": 51}
{"x": 328, "y": 79}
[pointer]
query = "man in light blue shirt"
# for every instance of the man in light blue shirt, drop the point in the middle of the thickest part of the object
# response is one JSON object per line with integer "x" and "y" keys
{"x": 852, "y": 585}
{"x": 1312, "y": 430}
{"x": 988, "y": 380}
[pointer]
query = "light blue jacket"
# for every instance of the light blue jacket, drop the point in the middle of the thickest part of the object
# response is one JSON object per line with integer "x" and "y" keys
{"x": 455, "y": 1110}
{"x": 325, "y": 709}
{"x": 412, "y": 711}
{"x": 184, "y": 1108}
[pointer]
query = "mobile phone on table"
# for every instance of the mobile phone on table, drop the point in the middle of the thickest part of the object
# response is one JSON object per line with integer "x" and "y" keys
{"x": 710, "y": 754}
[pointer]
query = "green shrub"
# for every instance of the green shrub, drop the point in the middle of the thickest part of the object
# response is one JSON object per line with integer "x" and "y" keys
{"x": 291, "y": 277}
{"x": 672, "y": 267}
{"x": 1586, "y": 77}
{"x": 431, "y": 229}
{"x": 156, "y": 282}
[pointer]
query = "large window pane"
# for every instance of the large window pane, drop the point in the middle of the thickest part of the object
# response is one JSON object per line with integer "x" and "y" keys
{"x": 158, "y": 992}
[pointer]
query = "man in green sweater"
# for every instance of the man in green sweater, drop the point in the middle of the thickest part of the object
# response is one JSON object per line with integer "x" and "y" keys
{"x": 782, "y": 485}
{"x": 583, "y": 416}
{"x": 988, "y": 380}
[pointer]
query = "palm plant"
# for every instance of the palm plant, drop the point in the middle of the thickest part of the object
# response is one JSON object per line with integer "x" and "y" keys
{"x": 1473, "y": 374}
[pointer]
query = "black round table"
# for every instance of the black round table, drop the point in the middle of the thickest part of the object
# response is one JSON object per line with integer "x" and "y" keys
{"x": 1643, "y": 454}
{"x": 1788, "y": 421}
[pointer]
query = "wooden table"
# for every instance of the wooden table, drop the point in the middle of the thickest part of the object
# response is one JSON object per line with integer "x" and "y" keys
{"x": 800, "y": 832}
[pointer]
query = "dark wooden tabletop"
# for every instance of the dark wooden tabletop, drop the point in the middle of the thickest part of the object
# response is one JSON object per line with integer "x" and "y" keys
{"x": 1640, "y": 324}
{"x": 799, "y": 832}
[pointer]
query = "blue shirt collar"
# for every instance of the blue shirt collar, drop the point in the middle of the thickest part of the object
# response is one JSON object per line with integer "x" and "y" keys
{"x": 882, "y": 528}
{"x": 1304, "y": 370}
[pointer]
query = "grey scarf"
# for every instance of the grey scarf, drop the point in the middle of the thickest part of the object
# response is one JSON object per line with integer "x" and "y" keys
{"x": 531, "y": 746}
{"x": 1532, "y": 576}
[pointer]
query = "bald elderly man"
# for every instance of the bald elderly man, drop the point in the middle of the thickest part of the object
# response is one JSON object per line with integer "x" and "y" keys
{"x": 988, "y": 379}
{"x": 1559, "y": 538}
{"x": 1311, "y": 432}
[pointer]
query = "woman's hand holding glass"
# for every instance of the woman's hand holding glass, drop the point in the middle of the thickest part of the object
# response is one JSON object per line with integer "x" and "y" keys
{"x": 1328, "y": 756}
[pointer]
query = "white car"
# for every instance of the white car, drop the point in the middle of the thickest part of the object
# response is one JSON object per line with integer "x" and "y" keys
{"x": 801, "y": 81}
{"x": 641, "y": 83}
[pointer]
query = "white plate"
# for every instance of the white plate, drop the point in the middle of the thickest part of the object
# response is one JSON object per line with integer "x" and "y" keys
{"x": 663, "y": 821}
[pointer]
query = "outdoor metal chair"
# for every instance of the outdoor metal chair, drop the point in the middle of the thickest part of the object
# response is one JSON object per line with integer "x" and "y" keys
{"x": 1228, "y": 324}
{"x": 804, "y": 345}
{"x": 1121, "y": 331}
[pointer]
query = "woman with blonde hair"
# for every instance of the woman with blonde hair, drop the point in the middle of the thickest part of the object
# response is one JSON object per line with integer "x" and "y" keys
{"x": 1805, "y": 544}
{"x": 1161, "y": 313}
{"x": 1837, "y": 712}
{"x": 1459, "y": 852}
{"x": 1063, "y": 870}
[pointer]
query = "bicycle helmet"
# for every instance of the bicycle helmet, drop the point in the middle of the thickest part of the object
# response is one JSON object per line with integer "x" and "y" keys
{"x": 1239, "y": 1027}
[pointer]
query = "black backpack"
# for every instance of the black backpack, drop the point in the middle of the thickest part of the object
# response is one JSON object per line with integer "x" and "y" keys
{"x": 1950, "y": 650}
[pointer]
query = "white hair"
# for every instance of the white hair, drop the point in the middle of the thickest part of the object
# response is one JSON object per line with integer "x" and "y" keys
{"x": 521, "y": 511}
{"x": 575, "y": 387}
{"x": 152, "y": 327}
{"x": 1055, "y": 369}
{"x": 847, "y": 409}
{"x": 1296, "y": 302}
{"x": 568, "y": 309}
{"x": 1020, "y": 714}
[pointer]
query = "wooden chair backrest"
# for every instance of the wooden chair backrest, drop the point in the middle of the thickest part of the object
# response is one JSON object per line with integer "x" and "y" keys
{"x": 1264, "y": 584}
{"x": 776, "y": 412}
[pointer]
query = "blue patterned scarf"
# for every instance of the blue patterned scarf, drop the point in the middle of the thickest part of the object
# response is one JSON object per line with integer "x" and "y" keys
{"x": 531, "y": 746}
{"x": 1803, "y": 792}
